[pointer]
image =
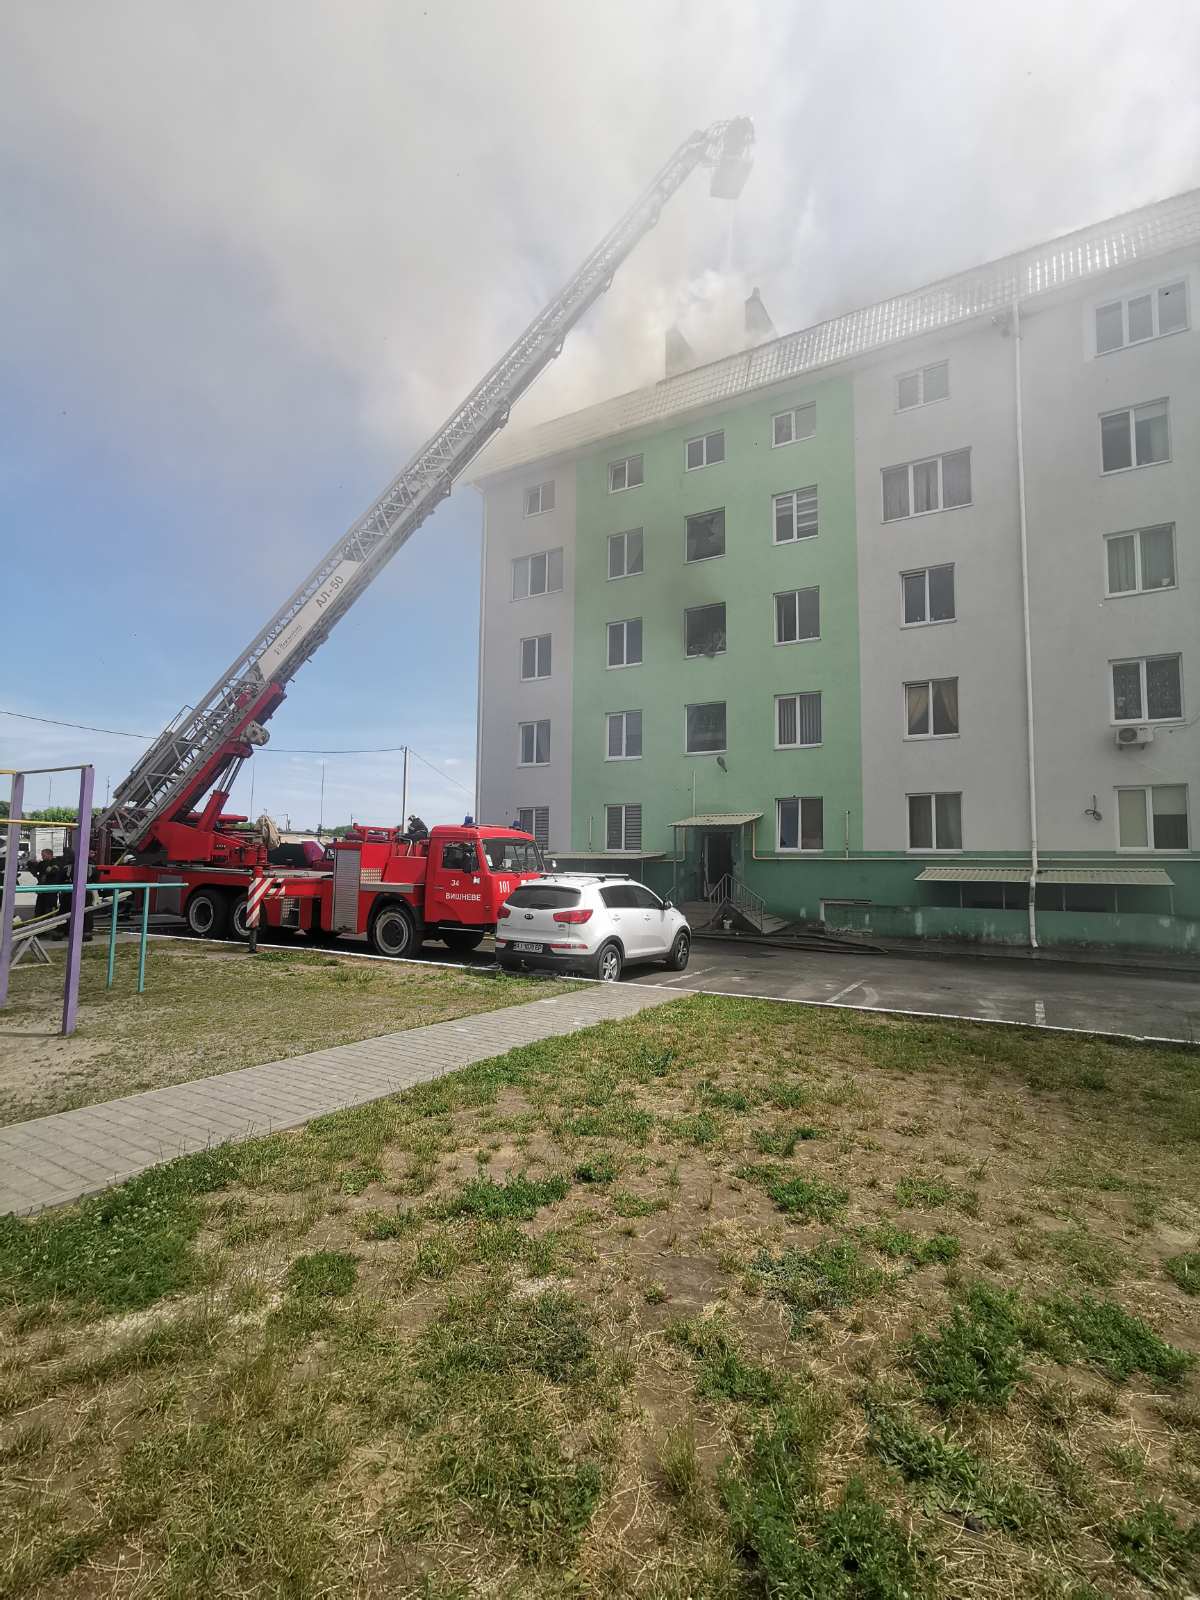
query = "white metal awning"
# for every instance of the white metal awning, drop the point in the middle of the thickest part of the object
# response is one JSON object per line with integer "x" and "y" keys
{"x": 1109, "y": 877}
{"x": 719, "y": 819}
{"x": 973, "y": 875}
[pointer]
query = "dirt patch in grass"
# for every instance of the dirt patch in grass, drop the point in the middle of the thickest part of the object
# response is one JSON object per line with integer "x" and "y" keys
{"x": 596, "y": 1319}
{"x": 212, "y": 1010}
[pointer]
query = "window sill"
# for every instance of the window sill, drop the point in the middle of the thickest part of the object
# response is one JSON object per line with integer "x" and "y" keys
{"x": 911, "y": 516}
{"x": 782, "y": 444}
{"x": 928, "y": 738}
{"x": 625, "y": 488}
{"x": 622, "y": 758}
{"x": 1135, "y": 466}
{"x": 696, "y": 755}
{"x": 704, "y": 465}
{"x": 620, "y": 666}
{"x": 1137, "y": 594}
{"x": 1136, "y": 344}
{"x": 933, "y": 622}
{"x": 526, "y": 766}
{"x": 1154, "y": 850}
{"x": 619, "y": 577}
{"x": 809, "y": 638}
{"x": 933, "y": 850}
{"x": 798, "y": 538}
{"x": 704, "y": 655}
{"x": 919, "y": 405}
{"x": 799, "y": 850}
{"x": 519, "y": 599}
{"x": 695, "y": 561}
{"x": 542, "y": 678}
{"x": 816, "y": 746}
{"x": 1150, "y": 722}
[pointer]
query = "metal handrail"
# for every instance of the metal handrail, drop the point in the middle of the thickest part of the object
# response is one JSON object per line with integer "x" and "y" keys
{"x": 732, "y": 891}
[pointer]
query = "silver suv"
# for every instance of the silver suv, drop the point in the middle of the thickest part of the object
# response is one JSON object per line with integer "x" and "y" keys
{"x": 590, "y": 922}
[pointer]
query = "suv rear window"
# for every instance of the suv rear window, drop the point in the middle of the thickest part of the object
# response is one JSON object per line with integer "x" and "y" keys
{"x": 544, "y": 897}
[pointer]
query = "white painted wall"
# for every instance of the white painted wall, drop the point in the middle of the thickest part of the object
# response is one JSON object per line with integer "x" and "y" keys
{"x": 505, "y": 701}
{"x": 1077, "y": 631}
{"x": 983, "y": 647}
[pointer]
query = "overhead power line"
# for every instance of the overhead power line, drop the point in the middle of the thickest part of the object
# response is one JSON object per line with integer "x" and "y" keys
{"x": 270, "y": 750}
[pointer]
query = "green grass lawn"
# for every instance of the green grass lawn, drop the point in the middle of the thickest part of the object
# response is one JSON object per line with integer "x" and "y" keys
{"x": 730, "y": 1300}
{"x": 211, "y": 1009}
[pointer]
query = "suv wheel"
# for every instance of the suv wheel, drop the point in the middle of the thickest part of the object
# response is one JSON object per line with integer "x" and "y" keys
{"x": 609, "y": 963}
{"x": 680, "y": 951}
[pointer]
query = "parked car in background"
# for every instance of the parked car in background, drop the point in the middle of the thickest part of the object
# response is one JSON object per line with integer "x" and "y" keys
{"x": 595, "y": 923}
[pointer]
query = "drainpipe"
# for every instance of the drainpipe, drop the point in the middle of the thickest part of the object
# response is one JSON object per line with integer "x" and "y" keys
{"x": 1029, "y": 732}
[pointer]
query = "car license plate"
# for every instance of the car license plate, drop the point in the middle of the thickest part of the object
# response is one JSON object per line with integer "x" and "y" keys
{"x": 528, "y": 949}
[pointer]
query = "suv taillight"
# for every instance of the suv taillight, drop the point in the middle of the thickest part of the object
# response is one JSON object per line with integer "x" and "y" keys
{"x": 582, "y": 914}
{"x": 504, "y": 912}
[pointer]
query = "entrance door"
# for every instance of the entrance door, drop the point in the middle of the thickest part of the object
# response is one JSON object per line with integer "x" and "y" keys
{"x": 718, "y": 856}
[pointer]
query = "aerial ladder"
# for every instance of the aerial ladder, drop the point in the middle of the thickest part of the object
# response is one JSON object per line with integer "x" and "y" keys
{"x": 153, "y": 815}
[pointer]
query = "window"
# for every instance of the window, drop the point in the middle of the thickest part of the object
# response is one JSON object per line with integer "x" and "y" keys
{"x": 797, "y": 616}
{"x": 1158, "y": 814}
{"x": 626, "y": 474}
{"x": 544, "y": 896}
{"x": 938, "y": 484}
{"x": 535, "y": 743}
{"x": 1139, "y": 436}
{"x": 927, "y": 595}
{"x": 924, "y": 386}
{"x": 537, "y": 574}
{"x": 625, "y": 643}
{"x": 535, "y": 657}
{"x": 800, "y": 823}
{"x": 538, "y": 499}
{"x": 706, "y": 728}
{"x": 460, "y": 857}
{"x": 625, "y": 554}
{"x": 622, "y": 827}
{"x": 797, "y": 720}
{"x": 705, "y": 535}
{"x": 706, "y": 451}
{"x": 704, "y": 630}
{"x": 795, "y": 514}
{"x": 1142, "y": 560}
{"x": 1142, "y": 316}
{"x": 536, "y": 820}
{"x": 935, "y": 822}
{"x": 623, "y": 735}
{"x": 788, "y": 426}
{"x": 931, "y": 708}
{"x": 513, "y": 855}
{"x": 1147, "y": 690}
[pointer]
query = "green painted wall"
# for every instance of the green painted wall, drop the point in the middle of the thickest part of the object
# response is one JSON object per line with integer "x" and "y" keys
{"x": 753, "y": 669}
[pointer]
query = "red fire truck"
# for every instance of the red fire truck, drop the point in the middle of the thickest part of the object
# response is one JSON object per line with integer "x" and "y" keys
{"x": 396, "y": 889}
{"x": 169, "y": 814}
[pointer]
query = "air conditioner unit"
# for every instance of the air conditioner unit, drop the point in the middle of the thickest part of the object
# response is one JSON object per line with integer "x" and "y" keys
{"x": 1131, "y": 737}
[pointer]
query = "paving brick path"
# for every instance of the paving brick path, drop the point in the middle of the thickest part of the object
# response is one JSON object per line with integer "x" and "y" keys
{"x": 51, "y": 1160}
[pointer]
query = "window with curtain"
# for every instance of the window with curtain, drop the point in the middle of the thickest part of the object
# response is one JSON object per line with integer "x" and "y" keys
{"x": 795, "y": 515}
{"x": 938, "y": 484}
{"x": 800, "y": 823}
{"x": 931, "y": 708}
{"x": 535, "y": 820}
{"x": 1138, "y": 436}
{"x": 1141, "y": 561}
{"x": 535, "y": 657}
{"x": 624, "y": 735}
{"x": 1153, "y": 817}
{"x": 623, "y": 827}
{"x": 935, "y": 822}
{"x": 706, "y": 728}
{"x": 535, "y": 743}
{"x": 797, "y": 719}
{"x": 1148, "y": 689}
{"x": 537, "y": 574}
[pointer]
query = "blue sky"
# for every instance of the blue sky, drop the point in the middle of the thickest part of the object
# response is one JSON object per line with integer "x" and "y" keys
{"x": 253, "y": 253}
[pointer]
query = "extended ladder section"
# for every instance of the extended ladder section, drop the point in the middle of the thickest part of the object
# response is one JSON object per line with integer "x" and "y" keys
{"x": 207, "y": 742}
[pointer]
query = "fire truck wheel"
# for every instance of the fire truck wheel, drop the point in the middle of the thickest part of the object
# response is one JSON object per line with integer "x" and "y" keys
{"x": 461, "y": 941}
{"x": 392, "y": 932}
{"x": 238, "y": 925}
{"x": 207, "y": 913}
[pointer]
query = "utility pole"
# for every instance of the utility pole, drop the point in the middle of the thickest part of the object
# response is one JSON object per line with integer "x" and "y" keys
{"x": 404, "y": 792}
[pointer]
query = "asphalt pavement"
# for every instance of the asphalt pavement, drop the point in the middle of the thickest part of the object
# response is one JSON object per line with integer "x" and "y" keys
{"x": 1135, "y": 1001}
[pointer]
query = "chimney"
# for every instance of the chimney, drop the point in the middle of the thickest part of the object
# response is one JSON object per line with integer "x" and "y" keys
{"x": 679, "y": 353}
{"x": 758, "y": 322}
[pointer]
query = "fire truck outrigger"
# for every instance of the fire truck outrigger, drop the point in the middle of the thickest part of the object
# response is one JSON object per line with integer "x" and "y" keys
{"x": 382, "y": 882}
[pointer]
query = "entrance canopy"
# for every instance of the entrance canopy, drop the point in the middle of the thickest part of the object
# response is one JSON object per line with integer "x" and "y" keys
{"x": 1110, "y": 877}
{"x": 719, "y": 819}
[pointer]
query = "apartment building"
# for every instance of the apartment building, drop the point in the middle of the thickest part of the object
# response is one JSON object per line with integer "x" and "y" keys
{"x": 889, "y": 624}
